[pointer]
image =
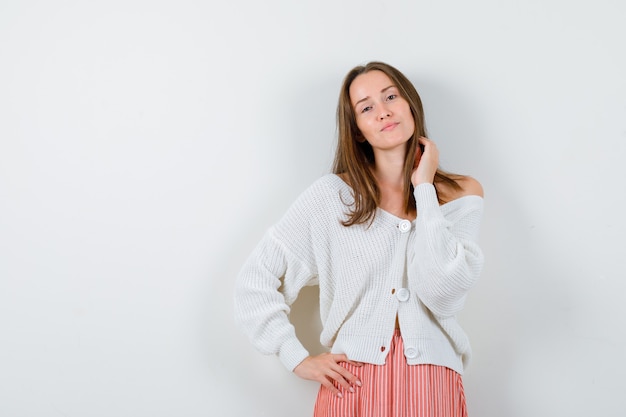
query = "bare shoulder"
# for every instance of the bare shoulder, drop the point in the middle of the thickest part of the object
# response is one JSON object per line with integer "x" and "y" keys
{"x": 468, "y": 186}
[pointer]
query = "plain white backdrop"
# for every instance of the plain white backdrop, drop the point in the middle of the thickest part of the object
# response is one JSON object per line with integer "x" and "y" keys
{"x": 145, "y": 147}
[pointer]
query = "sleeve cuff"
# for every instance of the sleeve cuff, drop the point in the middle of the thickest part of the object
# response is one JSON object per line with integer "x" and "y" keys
{"x": 292, "y": 353}
{"x": 425, "y": 196}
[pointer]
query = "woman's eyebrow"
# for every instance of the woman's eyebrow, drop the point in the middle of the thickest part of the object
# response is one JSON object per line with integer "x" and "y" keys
{"x": 367, "y": 98}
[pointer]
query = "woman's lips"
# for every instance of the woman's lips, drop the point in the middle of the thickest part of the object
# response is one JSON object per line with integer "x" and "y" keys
{"x": 388, "y": 127}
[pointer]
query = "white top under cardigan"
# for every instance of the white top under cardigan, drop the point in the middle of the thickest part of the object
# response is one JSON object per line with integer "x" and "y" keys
{"x": 419, "y": 270}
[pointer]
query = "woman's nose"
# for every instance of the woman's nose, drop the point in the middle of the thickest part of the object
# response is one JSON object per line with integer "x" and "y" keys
{"x": 384, "y": 113}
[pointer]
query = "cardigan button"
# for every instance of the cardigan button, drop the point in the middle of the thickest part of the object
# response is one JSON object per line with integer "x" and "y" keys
{"x": 404, "y": 226}
{"x": 410, "y": 352}
{"x": 403, "y": 294}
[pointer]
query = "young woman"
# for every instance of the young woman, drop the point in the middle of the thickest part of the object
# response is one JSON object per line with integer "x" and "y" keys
{"x": 391, "y": 240}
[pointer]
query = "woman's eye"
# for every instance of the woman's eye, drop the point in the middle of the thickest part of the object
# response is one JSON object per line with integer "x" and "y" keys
{"x": 392, "y": 96}
{"x": 366, "y": 109}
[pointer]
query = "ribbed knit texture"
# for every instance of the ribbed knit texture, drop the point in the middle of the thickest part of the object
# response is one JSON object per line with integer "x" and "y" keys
{"x": 367, "y": 274}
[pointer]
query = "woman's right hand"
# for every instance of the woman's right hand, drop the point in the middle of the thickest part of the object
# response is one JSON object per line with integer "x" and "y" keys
{"x": 326, "y": 369}
{"x": 426, "y": 162}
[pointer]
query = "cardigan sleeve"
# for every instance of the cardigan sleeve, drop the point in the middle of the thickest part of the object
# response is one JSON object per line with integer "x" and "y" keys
{"x": 447, "y": 259}
{"x": 269, "y": 282}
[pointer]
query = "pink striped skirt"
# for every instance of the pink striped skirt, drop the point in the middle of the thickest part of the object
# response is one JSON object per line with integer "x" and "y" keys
{"x": 397, "y": 389}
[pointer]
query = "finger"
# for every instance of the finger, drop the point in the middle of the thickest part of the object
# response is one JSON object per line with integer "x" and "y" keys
{"x": 349, "y": 377}
{"x": 341, "y": 380}
{"x": 331, "y": 387}
{"x": 345, "y": 373}
{"x": 340, "y": 357}
{"x": 428, "y": 143}
{"x": 343, "y": 358}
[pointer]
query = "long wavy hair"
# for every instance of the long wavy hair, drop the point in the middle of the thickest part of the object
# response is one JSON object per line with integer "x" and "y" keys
{"x": 354, "y": 158}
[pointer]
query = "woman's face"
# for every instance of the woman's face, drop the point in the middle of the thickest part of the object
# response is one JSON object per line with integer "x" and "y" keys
{"x": 382, "y": 115}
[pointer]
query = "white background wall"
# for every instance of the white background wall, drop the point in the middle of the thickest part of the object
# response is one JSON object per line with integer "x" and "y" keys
{"x": 145, "y": 146}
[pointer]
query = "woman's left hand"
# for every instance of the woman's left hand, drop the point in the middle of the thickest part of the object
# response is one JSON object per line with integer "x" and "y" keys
{"x": 426, "y": 162}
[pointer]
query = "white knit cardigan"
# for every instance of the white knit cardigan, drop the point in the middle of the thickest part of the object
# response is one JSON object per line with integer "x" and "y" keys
{"x": 367, "y": 274}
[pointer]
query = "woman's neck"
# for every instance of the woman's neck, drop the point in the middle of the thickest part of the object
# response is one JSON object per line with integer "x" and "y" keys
{"x": 389, "y": 174}
{"x": 389, "y": 171}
